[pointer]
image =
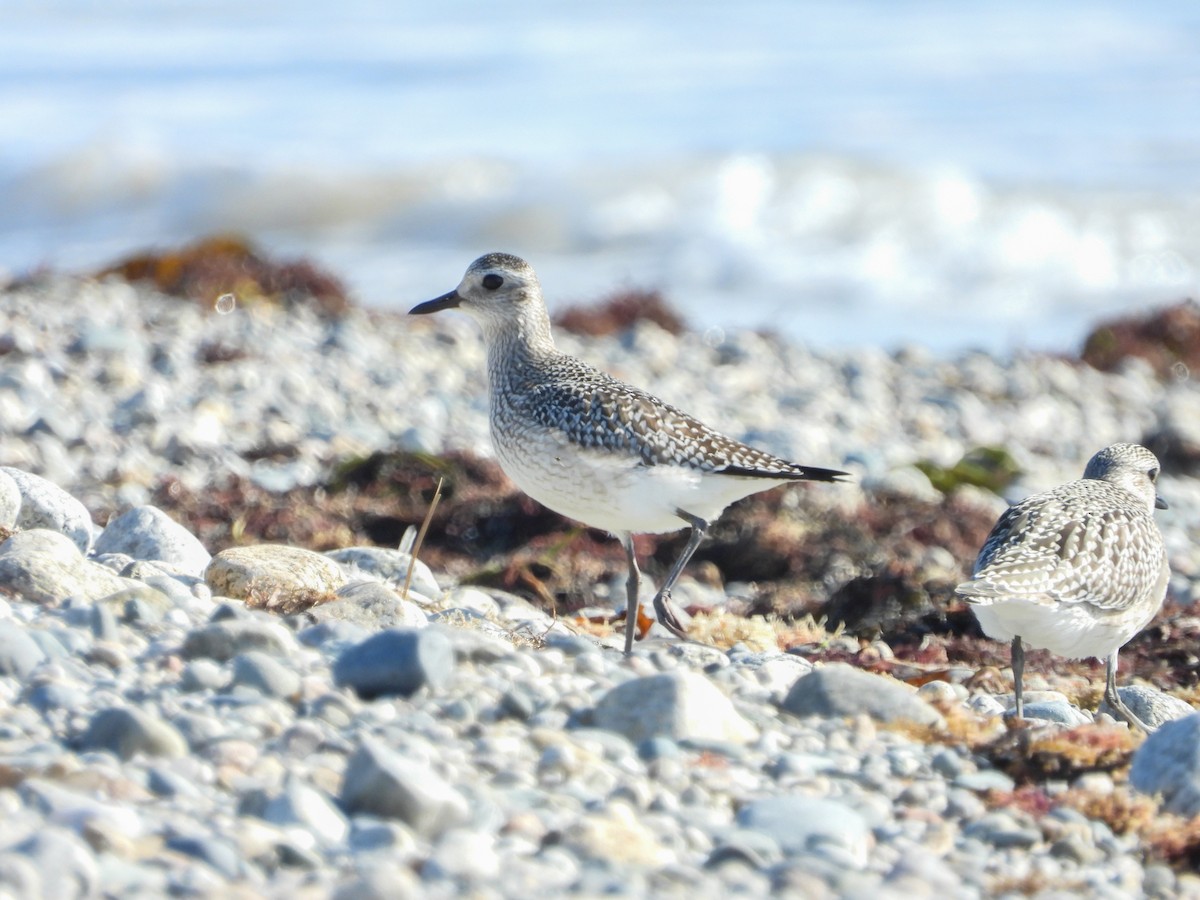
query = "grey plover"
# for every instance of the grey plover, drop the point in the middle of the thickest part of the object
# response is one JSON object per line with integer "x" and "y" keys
{"x": 1077, "y": 570}
{"x": 594, "y": 448}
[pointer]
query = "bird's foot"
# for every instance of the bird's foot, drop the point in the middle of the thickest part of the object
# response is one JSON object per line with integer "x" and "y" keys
{"x": 666, "y": 614}
{"x": 1120, "y": 711}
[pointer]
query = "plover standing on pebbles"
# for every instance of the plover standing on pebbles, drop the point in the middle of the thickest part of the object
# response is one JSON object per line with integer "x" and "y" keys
{"x": 1077, "y": 570}
{"x": 594, "y": 448}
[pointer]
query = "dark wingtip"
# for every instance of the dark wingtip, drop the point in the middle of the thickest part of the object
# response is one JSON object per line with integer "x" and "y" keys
{"x": 830, "y": 475}
{"x": 799, "y": 473}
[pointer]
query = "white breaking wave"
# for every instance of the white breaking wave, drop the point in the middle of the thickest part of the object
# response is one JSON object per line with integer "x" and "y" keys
{"x": 863, "y": 173}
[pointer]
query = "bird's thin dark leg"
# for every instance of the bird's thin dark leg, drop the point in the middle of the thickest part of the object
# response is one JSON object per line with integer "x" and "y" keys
{"x": 631, "y": 593}
{"x": 1018, "y": 667}
{"x": 1113, "y": 699}
{"x": 662, "y": 600}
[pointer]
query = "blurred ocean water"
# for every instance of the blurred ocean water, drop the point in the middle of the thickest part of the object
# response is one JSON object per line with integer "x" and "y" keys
{"x": 954, "y": 175}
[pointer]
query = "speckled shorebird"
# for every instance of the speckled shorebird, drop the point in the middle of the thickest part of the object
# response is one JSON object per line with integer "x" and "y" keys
{"x": 594, "y": 448}
{"x": 1077, "y": 570}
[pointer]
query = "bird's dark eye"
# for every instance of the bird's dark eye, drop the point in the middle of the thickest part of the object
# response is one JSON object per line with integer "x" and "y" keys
{"x": 491, "y": 281}
{"x": 1153, "y": 474}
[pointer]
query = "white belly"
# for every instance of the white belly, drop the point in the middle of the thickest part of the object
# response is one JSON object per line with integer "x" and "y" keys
{"x": 1073, "y": 630}
{"x": 614, "y": 492}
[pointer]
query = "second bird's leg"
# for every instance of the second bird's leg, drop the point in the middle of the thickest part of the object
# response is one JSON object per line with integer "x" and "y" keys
{"x": 631, "y": 593}
{"x": 662, "y": 600}
{"x": 1018, "y": 667}
{"x": 1113, "y": 699}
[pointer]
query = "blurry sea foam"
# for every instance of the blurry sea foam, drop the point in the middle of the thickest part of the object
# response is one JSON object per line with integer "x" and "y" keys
{"x": 862, "y": 173}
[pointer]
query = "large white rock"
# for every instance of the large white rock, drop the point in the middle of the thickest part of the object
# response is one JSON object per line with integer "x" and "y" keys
{"x": 679, "y": 705}
{"x": 146, "y": 532}
{"x": 46, "y": 505}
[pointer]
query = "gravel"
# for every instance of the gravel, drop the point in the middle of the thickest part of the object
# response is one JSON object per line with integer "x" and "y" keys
{"x": 157, "y": 737}
{"x": 398, "y": 661}
{"x": 838, "y": 690}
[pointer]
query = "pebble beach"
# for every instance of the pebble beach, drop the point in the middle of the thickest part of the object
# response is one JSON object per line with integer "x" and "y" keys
{"x": 269, "y": 719}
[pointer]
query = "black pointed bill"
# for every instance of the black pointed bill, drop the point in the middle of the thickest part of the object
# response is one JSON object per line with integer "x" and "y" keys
{"x": 1160, "y": 503}
{"x": 446, "y": 301}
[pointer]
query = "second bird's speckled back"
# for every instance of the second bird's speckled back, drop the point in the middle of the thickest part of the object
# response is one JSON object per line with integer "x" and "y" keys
{"x": 1083, "y": 542}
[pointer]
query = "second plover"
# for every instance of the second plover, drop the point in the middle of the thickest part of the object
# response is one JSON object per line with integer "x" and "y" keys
{"x": 1077, "y": 570}
{"x": 594, "y": 448}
